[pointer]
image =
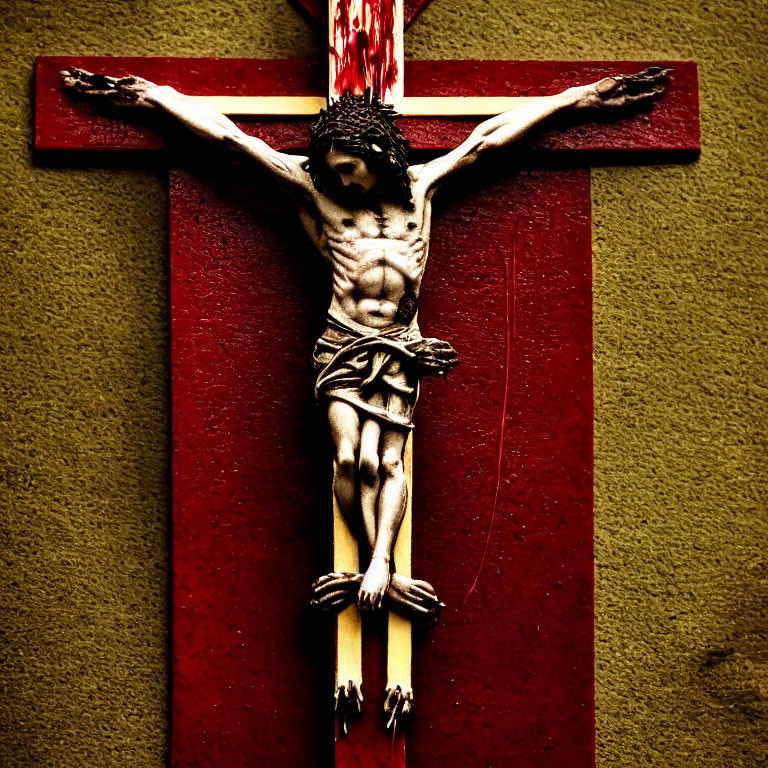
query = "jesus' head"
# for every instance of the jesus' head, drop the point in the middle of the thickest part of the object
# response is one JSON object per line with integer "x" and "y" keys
{"x": 358, "y": 155}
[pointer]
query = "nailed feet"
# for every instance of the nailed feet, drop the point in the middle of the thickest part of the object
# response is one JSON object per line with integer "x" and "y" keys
{"x": 414, "y": 598}
{"x": 373, "y": 588}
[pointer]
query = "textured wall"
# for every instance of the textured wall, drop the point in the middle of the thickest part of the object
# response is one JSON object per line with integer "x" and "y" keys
{"x": 682, "y": 662}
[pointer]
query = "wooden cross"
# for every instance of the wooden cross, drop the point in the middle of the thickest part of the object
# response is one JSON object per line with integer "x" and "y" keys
{"x": 222, "y": 668}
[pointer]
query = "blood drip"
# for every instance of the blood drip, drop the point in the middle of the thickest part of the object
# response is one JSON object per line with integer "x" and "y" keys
{"x": 364, "y": 56}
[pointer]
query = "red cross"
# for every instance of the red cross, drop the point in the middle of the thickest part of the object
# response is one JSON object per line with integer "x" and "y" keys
{"x": 508, "y": 672}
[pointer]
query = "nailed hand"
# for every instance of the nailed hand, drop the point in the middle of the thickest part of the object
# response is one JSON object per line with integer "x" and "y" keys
{"x": 642, "y": 88}
{"x": 124, "y": 91}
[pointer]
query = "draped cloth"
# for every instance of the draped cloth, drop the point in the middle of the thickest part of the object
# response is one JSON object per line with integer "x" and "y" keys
{"x": 355, "y": 364}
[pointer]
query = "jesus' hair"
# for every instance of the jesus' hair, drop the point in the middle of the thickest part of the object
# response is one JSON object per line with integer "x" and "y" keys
{"x": 365, "y": 127}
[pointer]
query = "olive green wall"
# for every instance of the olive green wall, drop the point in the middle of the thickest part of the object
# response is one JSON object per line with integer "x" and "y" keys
{"x": 682, "y": 661}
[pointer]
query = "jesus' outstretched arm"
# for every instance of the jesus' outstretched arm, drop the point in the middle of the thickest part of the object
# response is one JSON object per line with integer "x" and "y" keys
{"x": 199, "y": 118}
{"x": 610, "y": 93}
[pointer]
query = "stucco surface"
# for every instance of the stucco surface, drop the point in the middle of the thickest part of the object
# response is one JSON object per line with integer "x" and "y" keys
{"x": 680, "y": 387}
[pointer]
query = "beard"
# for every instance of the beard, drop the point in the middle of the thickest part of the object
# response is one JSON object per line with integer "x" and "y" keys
{"x": 389, "y": 188}
{"x": 352, "y": 196}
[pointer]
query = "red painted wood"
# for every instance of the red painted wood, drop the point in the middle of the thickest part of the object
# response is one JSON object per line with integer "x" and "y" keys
{"x": 506, "y": 677}
{"x": 64, "y": 124}
{"x": 368, "y": 744}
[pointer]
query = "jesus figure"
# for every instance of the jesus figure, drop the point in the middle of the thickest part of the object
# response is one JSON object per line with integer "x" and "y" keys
{"x": 368, "y": 213}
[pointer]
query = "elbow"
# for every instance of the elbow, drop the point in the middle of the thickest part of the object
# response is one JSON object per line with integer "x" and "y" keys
{"x": 485, "y": 146}
{"x": 233, "y": 140}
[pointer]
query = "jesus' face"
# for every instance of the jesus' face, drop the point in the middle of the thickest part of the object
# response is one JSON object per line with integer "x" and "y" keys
{"x": 355, "y": 176}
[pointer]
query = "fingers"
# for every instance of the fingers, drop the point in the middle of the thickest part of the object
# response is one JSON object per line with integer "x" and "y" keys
{"x": 417, "y": 608}
{"x": 331, "y": 597}
{"x": 416, "y": 599}
{"x": 620, "y": 90}
{"x": 336, "y": 576}
{"x": 336, "y": 606}
{"x": 75, "y": 73}
{"x": 344, "y": 247}
{"x": 335, "y": 591}
{"x": 327, "y": 577}
{"x": 425, "y": 585}
{"x": 650, "y": 95}
{"x": 650, "y": 75}
{"x": 413, "y": 590}
{"x": 127, "y": 88}
{"x": 649, "y": 83}
{"x": 417, "y": 592}
{"x": 331, "y": 583}
{"x": 418, "y": 244}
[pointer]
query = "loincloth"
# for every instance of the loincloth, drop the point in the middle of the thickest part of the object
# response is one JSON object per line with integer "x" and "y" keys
{"x": 377, "y": 373}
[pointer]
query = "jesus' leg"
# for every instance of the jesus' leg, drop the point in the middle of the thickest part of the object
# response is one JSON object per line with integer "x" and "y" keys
{"x": 370, "y": 481}
{"x": 391, "y": 507}
{"x": 345, "y": 430}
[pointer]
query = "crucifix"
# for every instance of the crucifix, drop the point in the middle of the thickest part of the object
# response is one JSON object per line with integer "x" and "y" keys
{"x": 368, "y": 211}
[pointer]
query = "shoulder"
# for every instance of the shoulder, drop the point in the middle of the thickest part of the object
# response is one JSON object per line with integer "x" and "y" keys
{"x": 420, "y": 181}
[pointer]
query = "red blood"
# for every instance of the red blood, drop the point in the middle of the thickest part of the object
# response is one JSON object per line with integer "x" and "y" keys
{"x": 316, "y": 10}
{"x": 367, "y": 57}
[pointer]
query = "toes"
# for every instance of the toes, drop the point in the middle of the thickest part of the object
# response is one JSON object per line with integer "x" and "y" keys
{"x": 399, "y": 706}
{"x": 348, "y": 701}
{"x": 370, "y": 601}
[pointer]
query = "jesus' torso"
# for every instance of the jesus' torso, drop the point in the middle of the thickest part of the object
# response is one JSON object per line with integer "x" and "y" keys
{"x": 377, "y": 256}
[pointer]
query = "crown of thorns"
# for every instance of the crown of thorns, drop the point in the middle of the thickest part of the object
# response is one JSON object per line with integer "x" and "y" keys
{"x": 360, "y": 124}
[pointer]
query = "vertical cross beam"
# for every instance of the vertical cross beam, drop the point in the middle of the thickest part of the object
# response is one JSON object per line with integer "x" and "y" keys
{"x": 365, "y": 50}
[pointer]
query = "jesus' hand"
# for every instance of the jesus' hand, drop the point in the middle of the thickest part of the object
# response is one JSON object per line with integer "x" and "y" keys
{"x": 624, "y": 90}
{"x": 129, "y": 91}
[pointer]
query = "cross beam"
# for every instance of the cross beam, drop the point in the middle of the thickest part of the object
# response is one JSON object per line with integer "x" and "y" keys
{"x": 670, "y": 131}
{"x": 409, "y": 106}
{"x": 672, "y": 127}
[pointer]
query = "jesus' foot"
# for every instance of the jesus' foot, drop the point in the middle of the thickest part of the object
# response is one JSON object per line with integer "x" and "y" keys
{"x": 374, "y": 585}
{"x": 398, "y": 706}
{"x": 349, "y": 700}
{"x": 335, "y": 591}
{"x": 414, "y": 598}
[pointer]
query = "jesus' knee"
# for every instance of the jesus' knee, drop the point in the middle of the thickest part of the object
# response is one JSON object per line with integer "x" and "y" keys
{"x": 344, "y": 461}
{"x": 369, "y": 468}
{"x": 392, "y": 463}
